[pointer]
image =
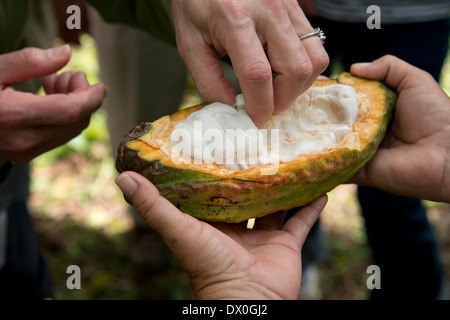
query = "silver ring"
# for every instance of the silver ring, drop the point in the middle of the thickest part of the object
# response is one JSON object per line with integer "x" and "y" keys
{"x": 317, "y": 32}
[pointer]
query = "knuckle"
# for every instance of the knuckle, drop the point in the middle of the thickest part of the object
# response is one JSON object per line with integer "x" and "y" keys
{"x": 276, "y": 6}
{"x": 258, "y": 72}
{"x": 389, "y": 57}
{"x": 234, "y": 15}
{"x": 233, "y": 10}
{"x": 303, "y": 71}
{"x": 321, "y": 61}
{"x": 206, "y": 89}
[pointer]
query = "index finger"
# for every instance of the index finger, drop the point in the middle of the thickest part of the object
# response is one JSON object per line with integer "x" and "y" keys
{"x": 56, "y": 109}
{"x": 254, "y": 73}
{"x": 32, "y": 63}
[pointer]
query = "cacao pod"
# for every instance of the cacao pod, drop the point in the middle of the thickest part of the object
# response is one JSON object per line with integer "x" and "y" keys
{"x": 216, "y": 193}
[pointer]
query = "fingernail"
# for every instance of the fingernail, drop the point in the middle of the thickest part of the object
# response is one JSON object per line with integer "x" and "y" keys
{"x": 58, "y": 51}
{"x": 361, "y": 64}
{"x": 126, "y": 184}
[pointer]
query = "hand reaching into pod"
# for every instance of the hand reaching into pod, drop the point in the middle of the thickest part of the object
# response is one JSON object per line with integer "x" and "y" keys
{"x": 244, "y": 29}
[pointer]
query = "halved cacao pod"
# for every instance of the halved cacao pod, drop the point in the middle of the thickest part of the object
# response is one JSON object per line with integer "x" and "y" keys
{"x": 215, "y": 193}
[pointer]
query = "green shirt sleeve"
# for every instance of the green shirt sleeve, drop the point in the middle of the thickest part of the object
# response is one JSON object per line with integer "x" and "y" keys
{"x": 153, "y": 16}
{"x": 13, "y": 18}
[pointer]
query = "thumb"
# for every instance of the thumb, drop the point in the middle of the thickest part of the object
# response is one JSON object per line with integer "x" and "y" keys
{"x": 32, "y": 63}
{"x": 301, "y": 223}
{"x": 390, "y": 70}
{"x": 157, "y": 211}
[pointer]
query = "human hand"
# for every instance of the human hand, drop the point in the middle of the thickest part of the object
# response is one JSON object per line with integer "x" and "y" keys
{"x": 32, "y": 124}
{"x": 414, "y": 157}
{"x": 228, "y": 261}
{"x": 207, "y": 30}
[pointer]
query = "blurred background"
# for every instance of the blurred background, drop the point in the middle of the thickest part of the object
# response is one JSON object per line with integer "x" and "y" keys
{"x": 81, "y": 219}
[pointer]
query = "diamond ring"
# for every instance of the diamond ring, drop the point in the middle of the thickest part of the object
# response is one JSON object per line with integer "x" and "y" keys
{"x": 317, "y": 32}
